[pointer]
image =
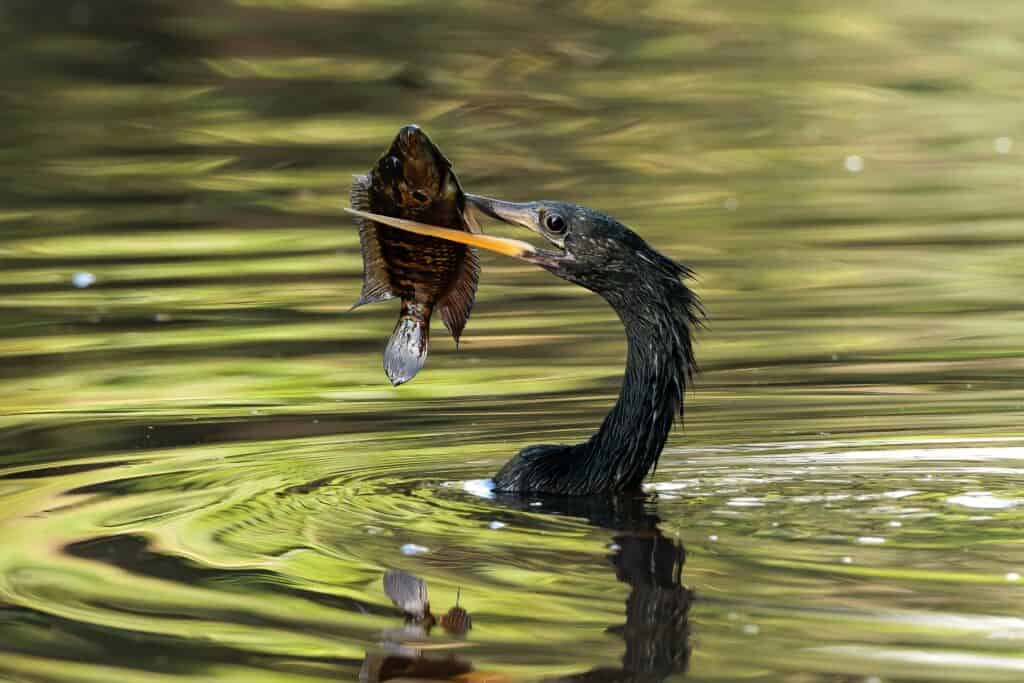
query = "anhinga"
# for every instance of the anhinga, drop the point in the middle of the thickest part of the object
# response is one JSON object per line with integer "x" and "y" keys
{"x": 659, "y": 312}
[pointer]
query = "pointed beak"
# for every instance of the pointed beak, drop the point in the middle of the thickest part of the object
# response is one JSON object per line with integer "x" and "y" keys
{"x": 523, "y": 214}
{"x": 500, "y": 245}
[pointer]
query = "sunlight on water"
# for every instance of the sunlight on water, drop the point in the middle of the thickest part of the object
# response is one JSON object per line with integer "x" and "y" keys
{"x": 205, "y": 473}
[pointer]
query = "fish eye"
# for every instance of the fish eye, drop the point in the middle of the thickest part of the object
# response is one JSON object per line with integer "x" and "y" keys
{"x": 393, "y": 165}
{"x": 555, "y": 223}
{"x": 420, "y": 195}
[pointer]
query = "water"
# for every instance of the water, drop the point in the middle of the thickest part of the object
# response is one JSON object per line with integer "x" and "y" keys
{"x": 204, "y": 473}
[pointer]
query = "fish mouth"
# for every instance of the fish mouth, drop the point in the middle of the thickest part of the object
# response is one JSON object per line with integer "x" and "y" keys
{"x": 411, "y": 141}
{"x": 413, "y": 146}
{"x": 414, "y": 169}
{"x": 500, "y": 245}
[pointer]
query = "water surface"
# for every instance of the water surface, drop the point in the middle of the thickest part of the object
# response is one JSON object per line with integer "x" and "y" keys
{"x": 204, "y": 473}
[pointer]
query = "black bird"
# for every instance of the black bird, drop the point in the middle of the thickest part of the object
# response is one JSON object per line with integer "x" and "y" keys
{"x": 647, "y": 290}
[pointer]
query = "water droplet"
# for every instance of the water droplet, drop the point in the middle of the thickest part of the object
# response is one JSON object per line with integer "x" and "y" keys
{"x": 162, "y": 318}
{"x": 713, "y": 537}
{"x": 1003, "y": 145}
{"x": 871, "y": 540}
{"x": 614, "y": 547}
{"x": 846, "y": 559}
{"x": 894, "y": 524}
{"x": 496, "y": 525}
{"x": 854, "y": 163}
{"x": 1012, "y": 576}
{"x": 82, "y": 280}
{"x": 413, "y": 549}
{"x": 872, "y": 679}
{"x": 751, "y": 629}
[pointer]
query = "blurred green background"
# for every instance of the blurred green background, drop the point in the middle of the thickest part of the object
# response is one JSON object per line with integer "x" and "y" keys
{"x": 179, "y": 366}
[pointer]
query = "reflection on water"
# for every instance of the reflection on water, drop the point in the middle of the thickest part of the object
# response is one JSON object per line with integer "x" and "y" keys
{"x": 202, "y": 474}
{"x": 656, "y": 630}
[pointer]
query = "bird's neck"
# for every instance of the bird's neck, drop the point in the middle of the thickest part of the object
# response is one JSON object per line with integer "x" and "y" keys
{"x": 659, "y": 361}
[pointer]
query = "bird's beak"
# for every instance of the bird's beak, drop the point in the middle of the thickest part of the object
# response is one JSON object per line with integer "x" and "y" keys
{"x": 525, "y": 215}
{"x": 522, "y": 214}
{"x": 508, "y": 247}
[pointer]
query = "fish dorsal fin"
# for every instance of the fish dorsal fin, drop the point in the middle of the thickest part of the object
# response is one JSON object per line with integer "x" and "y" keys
{"x": 376, "y": 284}
{"x": 457, "y": 303}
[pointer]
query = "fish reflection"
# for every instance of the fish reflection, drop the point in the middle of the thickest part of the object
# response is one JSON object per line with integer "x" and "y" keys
{"x": 404, "y": 649}
{"x": 656, "y": 630}
{"x": 409, "y": 593}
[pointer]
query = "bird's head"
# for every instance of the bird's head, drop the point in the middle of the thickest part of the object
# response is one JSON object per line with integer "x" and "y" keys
{"x": 592, "y": 249}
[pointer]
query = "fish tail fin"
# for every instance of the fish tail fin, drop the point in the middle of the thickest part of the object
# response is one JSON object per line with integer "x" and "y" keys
{"x": 406, "y": 351}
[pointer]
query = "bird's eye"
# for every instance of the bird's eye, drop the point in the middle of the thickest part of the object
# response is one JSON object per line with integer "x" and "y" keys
{"x": 420, "y": 195}
{"x": 554, "y": 223}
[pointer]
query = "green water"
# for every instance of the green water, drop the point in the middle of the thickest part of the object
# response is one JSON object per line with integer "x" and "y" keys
{"x": 204, "y": 472}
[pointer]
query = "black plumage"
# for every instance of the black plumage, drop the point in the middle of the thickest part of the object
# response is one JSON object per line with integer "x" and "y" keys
{"x": 659, "y": 312}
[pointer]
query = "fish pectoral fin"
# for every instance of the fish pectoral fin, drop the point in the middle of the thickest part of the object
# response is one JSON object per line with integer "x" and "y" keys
{"x": 457, "y": 303}
{"x": 376, "y": 283}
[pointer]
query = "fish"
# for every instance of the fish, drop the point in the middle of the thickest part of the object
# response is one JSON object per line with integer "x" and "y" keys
{"x": 413, "y": 180}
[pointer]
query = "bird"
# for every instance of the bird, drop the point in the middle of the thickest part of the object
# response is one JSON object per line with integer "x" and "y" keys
{"x": 660, "y": 314}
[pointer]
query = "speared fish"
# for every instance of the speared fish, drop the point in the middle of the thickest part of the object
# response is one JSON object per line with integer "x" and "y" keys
{"x": 414, "y": 180}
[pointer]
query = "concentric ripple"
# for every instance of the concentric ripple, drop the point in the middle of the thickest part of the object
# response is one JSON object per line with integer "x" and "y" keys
{"x": 838, "y": 543}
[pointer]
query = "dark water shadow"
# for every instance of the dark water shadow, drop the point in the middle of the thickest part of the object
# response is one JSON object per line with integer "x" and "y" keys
{"x": 656, "y": 630}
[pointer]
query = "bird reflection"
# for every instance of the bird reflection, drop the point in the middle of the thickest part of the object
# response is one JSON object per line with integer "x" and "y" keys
{"x": 656, "y": 629}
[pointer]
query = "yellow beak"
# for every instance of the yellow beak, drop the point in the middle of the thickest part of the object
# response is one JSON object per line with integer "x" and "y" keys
{"x": 500, "y": 245}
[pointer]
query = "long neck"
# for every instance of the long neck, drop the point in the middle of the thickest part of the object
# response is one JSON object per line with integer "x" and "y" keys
{"x": 659, "y": 362}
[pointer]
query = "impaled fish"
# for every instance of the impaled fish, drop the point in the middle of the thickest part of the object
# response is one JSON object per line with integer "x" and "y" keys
{"x": 414, "y": 180}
